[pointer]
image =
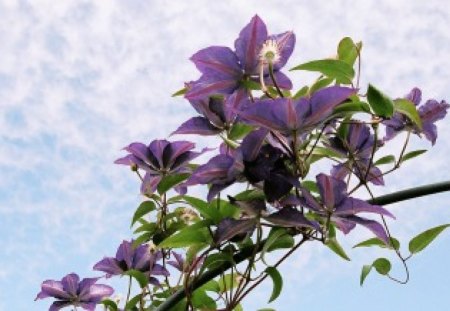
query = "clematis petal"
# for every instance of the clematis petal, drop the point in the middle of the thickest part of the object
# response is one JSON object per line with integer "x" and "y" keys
{"x": 339, "y": 171}
{"x": 430, "y": 132}
{"x": 70, "y": 284}
{"x": 174, "y": 150}
{"x": 199, "y": 126}
{"x": 249, "y": 42}
{"x": 206, "y": 107}
{"x": 209, "y": 85}
{"x": 271, "y": 114}
{"x": 415, "y": 95}
{"x": 290, "y": 217}
{"x": 51, "y": 288}
{"x": 58, "y": 305}
{"x": 157, "y": 269}
{"x": 282, "y": 80}
{"x": 286, "y": 43}
{"x": 429, "y": 113}
{"x": 234, "y": 103}
{"x": 157, "y": 147}
{"x": 88, "y": 306}
{"x": 276, "y": 186}
{"x": 214, "y": 170}
{"x": 109, "y": 265}
{"x": 150, "y": 183}
{"x": 141, "y": 258}
{"x": 372, "y": 225}
{"x": 229, "y": 228}
{"x": 217, "y": 60}
{"x": 251, "y": 144}
{"x": 216, "y": 188}
{"x": 97, "y": 292}
{"x": 332, "y": 191}
{"x": 323, "y": 102}
{"x": 85, "y": 286}
{"x": 285, "y": 111}
{"x": 309, "y": 201}
{"x": 139, "y": 150}
{"x": 352, "y": 206}
{"x": 343, "y": 225}
{"x": 125, "y": 253}
{"x": 251, "y": 208}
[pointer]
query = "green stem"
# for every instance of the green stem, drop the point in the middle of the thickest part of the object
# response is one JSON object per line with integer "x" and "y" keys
{"x": 129, "y": 291}
{"x": 245, "y": 253}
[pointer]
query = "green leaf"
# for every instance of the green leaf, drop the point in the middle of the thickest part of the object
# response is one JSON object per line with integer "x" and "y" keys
{"x": 364, "y": 273}
{"x": 131, "y": 305}
{"x": 238, "y": 308}
{"x": 277, "y": 282}
{"x": 385, "y": 160}
{"x": 111, "y": 305}
{"x": 227, "y": 282}
{"x": 211, "y": 286}
{"x": 310, "y": 185}
{"x": 408, "y": 109}
{"x": 239, "y": 130}
{"x": 179, "y": 92}
{"x": 139, "y": 276}
{"x": 378, "y": 242}
{"x": 276, "y": 236}
{"x": 300, "y": 93}
{"x": 216, "y": 260}
{"x": 319, "y": 84}
{"x": 337, "y": 248}
{"x": 170, "y": 181}
{"x": 422, "y": 240}
{"x": 251, "y": 85}
{"x": 194, "y": 234}
{"x": 353, "y": 107}
{"x": 201, "y": 300}
{"x": 147, "y": 227}
{"x": 382, "y": 265}
{"x": 145, "y": 237}
{"x": 285, "y": 241}
{"x": 412, "y": 154}
{"x": 327, "y": 152}
{"x": 143, "y": 209}
{"x": 348, "y": 51}
{"x": 251, "y": 194}
{"x": 203, "y": 208}
{"x": 381, "y": 104}
{"x": 332, "y": 68}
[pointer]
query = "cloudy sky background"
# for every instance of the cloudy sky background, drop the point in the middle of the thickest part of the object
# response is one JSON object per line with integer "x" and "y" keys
{"x": 81, "y": 79}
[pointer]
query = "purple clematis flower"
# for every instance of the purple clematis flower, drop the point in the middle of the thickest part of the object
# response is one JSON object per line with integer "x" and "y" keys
{"x": 358, "y": 145}
{"x": 228, "y": 167}
{"x": 158, "y": 159}
{"x": 288, "y": 116}
{"x": 141, "y": 258}
{"x": 181, "y": 265}
{"x": 341, "y": 209}
{"x": 429, "y": 113}
{"x": 70, "y": 291}
{"x": 223, "y": 70}
{"x": 218, "y": 115}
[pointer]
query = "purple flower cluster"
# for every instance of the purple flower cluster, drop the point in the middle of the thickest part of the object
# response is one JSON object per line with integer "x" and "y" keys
{"x": 270, "y": 139}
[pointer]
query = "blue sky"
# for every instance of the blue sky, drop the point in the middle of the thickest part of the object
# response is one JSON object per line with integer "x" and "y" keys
{"x": 81, "y": 79}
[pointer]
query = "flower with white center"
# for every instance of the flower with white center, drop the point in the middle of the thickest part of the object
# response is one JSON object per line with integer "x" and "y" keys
{"x": 270, "y": 52}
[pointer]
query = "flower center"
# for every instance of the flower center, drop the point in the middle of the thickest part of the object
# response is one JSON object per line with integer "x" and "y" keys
{"x": 270, "y": 52}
